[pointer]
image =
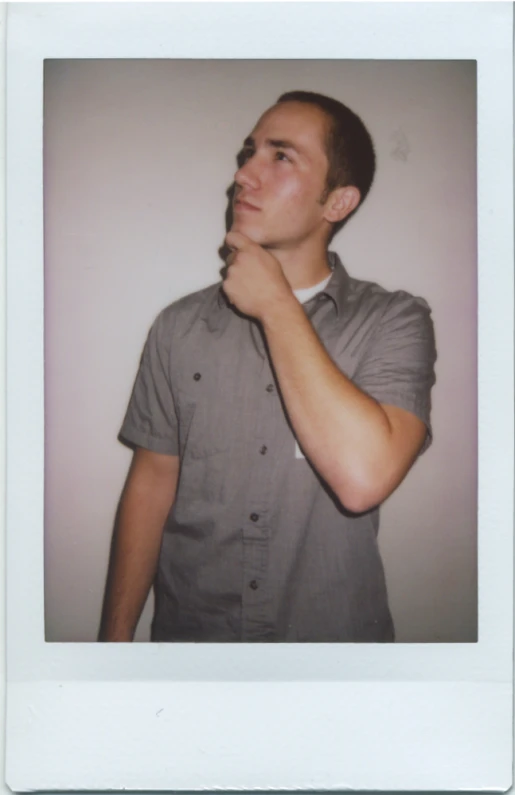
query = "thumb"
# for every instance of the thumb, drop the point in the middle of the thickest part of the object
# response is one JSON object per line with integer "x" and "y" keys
{"x": 238, "y": 241}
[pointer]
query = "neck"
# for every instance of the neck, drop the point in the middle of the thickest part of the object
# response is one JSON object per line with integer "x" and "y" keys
{"x": 303, "y": 267}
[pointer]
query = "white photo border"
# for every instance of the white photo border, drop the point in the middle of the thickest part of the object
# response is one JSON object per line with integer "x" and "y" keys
{"x": 214, "y": 716}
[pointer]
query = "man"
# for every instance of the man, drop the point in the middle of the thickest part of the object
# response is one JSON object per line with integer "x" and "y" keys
{"x": 272, "y": 414}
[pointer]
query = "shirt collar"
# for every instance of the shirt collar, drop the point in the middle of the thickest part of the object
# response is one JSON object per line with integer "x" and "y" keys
{"x": 222, "y": 298}
{"x": 336, "y": 289}
{"x": 338, "y": 284}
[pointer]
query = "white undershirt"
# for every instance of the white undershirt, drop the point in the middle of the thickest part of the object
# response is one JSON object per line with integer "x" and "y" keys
{"x": 306, "y": 293}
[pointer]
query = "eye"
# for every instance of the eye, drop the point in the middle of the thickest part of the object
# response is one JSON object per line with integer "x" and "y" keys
{"x": 282, "y": 156}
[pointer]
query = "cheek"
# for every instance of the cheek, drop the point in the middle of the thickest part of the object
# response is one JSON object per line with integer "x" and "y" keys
{"x": 294, "y": 196}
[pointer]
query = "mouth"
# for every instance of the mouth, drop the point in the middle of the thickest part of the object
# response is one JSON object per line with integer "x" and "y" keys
{"x": 243, "y": 206}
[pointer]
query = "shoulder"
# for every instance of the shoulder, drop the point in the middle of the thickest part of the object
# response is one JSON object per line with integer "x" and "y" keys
{"x": 185, "y": 311}
{"x": 383, "y": 306}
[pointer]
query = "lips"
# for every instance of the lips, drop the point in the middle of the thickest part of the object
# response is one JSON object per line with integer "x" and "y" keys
{"x": 241, "y": 204}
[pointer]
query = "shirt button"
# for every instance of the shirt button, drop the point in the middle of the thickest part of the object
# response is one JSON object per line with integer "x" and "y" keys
{"x": 197, "y": 376}
{"x": 254, "y": 517}
{"x": 270, "y": 388}
{"x": 263, "y": 449}
{"x": 253, "y": 584}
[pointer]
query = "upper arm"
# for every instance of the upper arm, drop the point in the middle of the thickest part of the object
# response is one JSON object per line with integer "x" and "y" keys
{"x": 151, "y": 419}
{"x": 393, "y": 460}
{"x": 155, "y": 473}
{"x": 398, "y": 371}
{"x": 408, "y": 434}
{"x": 155, "y": 465}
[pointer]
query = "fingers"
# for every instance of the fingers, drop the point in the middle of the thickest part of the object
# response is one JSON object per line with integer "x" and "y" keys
{"x": 237, "y": 241}
{"x": 230, "y": 259}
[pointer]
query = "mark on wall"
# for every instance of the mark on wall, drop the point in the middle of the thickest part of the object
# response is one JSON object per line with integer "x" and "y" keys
{"x": 400, "y": 146}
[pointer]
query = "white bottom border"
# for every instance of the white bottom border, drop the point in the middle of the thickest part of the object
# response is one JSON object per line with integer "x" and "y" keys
{"x": 297, "y": 736}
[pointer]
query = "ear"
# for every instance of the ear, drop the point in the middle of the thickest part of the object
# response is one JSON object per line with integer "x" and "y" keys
{"x": 341, "y": 202}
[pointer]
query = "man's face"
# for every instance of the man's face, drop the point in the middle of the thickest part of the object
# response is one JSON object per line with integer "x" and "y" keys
{"x": 279, "y": 186}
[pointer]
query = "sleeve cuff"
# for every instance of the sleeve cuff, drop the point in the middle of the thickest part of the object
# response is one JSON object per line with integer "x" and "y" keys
{"x": 415, "y": 404}
{"x": 132, "y": 435}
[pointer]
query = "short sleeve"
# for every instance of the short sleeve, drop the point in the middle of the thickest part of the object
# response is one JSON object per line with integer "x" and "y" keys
{"x": 151, "y": 420}
{"x": 399, "y": 365}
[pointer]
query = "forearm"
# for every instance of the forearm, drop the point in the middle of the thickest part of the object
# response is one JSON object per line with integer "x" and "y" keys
{"x": 344, "y": 432}
{"x": 144, "y": 507}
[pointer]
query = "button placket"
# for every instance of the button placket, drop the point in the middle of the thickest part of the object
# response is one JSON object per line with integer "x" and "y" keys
{"x": 256, "y": 617}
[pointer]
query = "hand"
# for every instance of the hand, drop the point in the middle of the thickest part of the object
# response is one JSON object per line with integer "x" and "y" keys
{"x": 255, "y": 282}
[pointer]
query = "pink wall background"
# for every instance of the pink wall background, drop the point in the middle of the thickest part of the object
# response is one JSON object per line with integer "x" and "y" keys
{"x": 138, "y": 156}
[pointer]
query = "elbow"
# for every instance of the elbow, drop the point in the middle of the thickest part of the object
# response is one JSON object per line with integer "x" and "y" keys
{"x": 358, "y": 501}
{"x": 363, "y": 482}
{"x": 359, "y": 494}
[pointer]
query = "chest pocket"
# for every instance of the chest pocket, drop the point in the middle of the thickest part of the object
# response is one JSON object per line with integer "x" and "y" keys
{"x": 204, "y": 413}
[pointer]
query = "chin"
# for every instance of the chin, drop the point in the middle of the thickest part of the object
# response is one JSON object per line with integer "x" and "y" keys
{"x": 250, "y": 230}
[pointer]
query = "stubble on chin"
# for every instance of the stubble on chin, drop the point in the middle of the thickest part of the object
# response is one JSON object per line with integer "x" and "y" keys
{"x": 252, "y": 234}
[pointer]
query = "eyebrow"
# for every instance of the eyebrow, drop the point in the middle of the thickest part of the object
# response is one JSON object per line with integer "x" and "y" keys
{"x": 275, "y": 143}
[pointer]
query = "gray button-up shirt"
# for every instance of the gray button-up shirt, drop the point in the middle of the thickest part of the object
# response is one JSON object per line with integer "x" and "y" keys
{"x": 256, "y": 546}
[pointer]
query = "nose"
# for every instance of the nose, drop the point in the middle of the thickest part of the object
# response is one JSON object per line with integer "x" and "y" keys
{"x": 247, "y": 175}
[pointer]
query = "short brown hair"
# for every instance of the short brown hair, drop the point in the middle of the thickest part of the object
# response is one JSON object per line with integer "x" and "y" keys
{"x": 349, "y": 146}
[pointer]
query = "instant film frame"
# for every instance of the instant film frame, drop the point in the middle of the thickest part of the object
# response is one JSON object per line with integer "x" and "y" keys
{"x": 86, "y": 716}
{"x": 137, "y": 158}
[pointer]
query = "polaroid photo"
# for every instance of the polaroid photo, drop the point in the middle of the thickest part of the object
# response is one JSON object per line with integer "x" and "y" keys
{"x": 259, "y": 282}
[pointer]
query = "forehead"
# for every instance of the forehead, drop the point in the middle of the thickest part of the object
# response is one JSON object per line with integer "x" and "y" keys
{"x": 304, "y": 124}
